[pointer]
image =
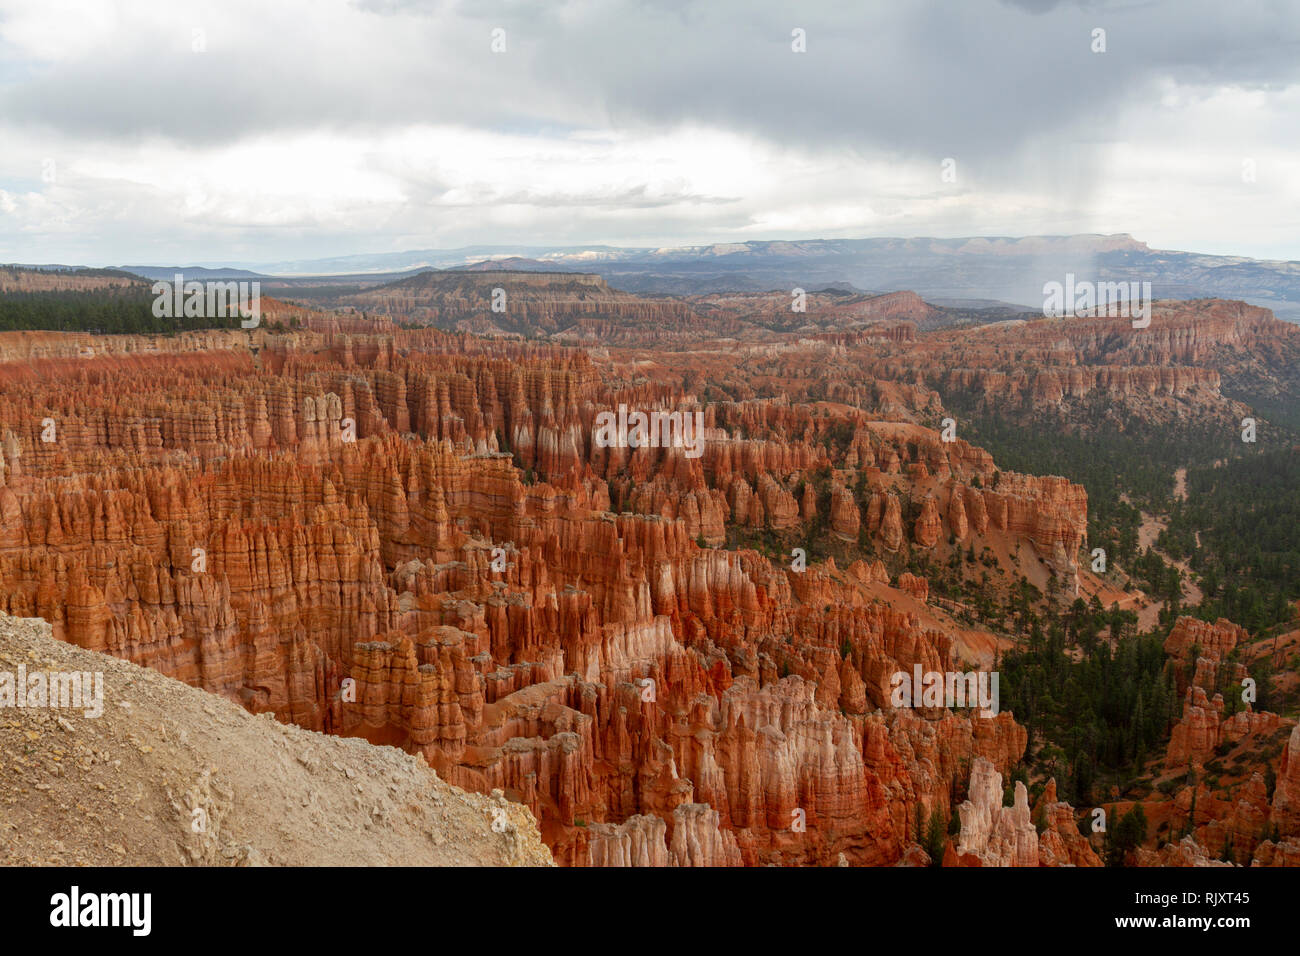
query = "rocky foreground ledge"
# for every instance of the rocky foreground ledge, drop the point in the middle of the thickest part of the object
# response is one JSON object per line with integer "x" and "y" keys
{"x": 171, "y": 775}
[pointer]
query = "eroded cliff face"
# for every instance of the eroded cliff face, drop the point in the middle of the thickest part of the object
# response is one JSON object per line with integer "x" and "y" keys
{"x": 413, "y": 537}
{"x": 1162, "y": 373}
{"x": 1221, "y": 809}
{"x": 1088, "y": 372}
{"x": 565, "y": 304}
{"x": 869, "y": 351}
{"x": 1203, "y": 674}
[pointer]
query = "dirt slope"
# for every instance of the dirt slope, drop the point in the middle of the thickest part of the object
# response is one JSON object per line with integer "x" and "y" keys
{"x": 123, "y": 787}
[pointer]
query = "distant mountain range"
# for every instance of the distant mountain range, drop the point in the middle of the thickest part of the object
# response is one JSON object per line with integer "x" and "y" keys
{"x": 993, "y": 270}
{"x": 1009, "y": 270}
{"x": 190, "y": 272}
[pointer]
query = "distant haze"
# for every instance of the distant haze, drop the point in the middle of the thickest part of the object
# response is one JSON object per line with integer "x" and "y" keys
{"x": 1012, "y": 270}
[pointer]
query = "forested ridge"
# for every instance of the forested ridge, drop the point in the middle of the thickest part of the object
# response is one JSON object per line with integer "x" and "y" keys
{"x": 103, "y": 311}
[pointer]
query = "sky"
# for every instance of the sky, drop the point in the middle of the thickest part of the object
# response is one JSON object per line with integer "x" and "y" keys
{"x": 177, "y": 132}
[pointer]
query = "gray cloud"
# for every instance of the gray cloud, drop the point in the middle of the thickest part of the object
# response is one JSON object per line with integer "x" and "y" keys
{"x": 974, "y": 78}
{"x": 1009, "y": 88}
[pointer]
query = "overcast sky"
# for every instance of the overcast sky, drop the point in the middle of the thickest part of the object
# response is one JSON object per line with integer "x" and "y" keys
{"x": 175, "y": 132}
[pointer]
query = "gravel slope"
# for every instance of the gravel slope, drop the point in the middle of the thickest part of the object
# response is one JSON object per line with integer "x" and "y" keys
{"x": 123, "y": 788}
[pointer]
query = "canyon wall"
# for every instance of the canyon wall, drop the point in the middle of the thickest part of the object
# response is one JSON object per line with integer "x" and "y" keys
{"x": 413, "y": 538}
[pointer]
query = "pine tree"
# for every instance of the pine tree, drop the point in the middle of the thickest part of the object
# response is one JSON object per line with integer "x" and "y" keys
{"x": 935, "y": 837}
